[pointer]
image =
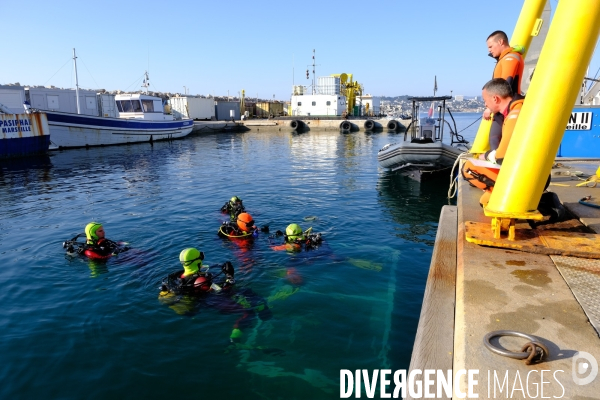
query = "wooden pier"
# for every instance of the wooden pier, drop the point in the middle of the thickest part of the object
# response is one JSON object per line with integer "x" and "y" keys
{"x": 473, "y": 290}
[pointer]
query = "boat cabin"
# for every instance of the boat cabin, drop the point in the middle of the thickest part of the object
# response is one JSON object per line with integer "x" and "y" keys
{"x": 428, "y": 129}
{"x": 141, "y": 106}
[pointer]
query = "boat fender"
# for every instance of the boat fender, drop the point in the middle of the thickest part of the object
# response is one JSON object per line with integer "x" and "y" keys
{"x": 296, "y": 124}
{"x": 393, "y": 125}
{"x": 346, "y": 126}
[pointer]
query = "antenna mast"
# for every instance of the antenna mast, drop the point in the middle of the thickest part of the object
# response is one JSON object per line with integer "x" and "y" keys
{"x": 76, "y": 82}
{"x": 146, "y": 82}
{"x": 313, "y": 71}
{"x": 313, "y": 82}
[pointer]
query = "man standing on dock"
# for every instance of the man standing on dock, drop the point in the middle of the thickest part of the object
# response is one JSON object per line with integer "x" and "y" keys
{"x": 509, "y": 67}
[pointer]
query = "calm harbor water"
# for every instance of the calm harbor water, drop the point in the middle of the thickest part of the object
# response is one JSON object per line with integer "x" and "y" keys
{"x": 74, "y": 328}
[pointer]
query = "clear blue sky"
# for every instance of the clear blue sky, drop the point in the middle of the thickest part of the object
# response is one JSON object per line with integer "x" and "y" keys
{"x": 392, "y": 47}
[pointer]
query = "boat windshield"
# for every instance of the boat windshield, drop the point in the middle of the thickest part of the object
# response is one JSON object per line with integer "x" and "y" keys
{"x": 137, "y": 107}
{"x": 148, "y": 106}
{"x": 125, "y": 106}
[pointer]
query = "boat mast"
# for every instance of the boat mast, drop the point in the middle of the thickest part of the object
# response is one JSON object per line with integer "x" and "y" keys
{"x": 146, "y": 83}
{"x": 76, "y": 82}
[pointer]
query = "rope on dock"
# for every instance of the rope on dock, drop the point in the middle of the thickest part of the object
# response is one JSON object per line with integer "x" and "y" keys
{"x": 454, "y": 180}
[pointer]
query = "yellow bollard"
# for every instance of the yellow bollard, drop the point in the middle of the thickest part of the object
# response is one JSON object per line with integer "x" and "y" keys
{"x": 539, "y": 130}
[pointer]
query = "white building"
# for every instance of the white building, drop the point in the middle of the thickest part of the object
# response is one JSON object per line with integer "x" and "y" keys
{"x": 63, "y": 100}
{"x": 459, "y": 97}
{"x": 318, "y": 104}
{"x": 192, "y": 107}
{"x": 369, "y": 105}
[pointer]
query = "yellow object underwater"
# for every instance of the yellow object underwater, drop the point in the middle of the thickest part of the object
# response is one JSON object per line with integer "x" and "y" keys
{"x": 285, "y": 292}
{"x": 365, "y": 264}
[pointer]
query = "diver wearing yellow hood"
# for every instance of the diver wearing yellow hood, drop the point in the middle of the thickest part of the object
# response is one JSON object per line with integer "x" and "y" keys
{"x": 191, "y": 260}
{"x": 195, "y": 276}
{"x": 94, "y": 231}
{"x": 295, "y": 239}
{"x": 233, "y": 207}
{"x": 96, "y": 245}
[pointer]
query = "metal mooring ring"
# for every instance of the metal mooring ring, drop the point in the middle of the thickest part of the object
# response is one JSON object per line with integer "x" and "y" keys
{"x": 534, "y": 348}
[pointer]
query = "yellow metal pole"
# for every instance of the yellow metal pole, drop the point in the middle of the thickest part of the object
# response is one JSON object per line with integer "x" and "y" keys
{"x": 563, "y": 61}
{"x": 527, "y": 24}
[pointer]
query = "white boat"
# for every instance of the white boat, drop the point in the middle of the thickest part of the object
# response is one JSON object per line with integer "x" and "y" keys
{"x": 140, "y": 119}
{"x": 105, "y": 119}
{"x": 422, "y": 153}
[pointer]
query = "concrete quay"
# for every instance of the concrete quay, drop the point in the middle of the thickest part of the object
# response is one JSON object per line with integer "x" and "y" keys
{"x": 473, "y": 290}
{"x": 215, "y": 126}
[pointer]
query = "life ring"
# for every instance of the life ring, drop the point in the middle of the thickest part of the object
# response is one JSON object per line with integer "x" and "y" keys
{"x": 245, "y": 235}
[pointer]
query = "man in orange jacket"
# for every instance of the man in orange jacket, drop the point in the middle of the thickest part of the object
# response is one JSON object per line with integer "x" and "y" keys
{"x": 498, "y": 97}
{"x": 509, "y": 67}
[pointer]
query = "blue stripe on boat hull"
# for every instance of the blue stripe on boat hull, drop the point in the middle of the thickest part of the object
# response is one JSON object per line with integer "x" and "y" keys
{"x": 67, "y": 130}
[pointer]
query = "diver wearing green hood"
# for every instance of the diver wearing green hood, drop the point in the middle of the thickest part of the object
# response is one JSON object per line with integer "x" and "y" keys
{"x": 295, "y": 239}
{"x": 94, "y": 231}
{"x": 233, "y": 207}
{"x": 195, "y": 276}
{"x": 96, "y": 245}
{"x": 186, "y": 290}
{"x": 191, "y": 260}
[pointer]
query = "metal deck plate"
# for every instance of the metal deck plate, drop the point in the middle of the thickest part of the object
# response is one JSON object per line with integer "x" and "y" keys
{"x": 550, "y": 242}
{"x": 583, "y": 277}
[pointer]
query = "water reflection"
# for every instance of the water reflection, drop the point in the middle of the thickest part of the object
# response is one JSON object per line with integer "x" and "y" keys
{"x": 414, "y": 205}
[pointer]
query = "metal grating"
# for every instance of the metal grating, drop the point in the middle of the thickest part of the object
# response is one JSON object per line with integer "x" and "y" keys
{"x": 583, "y": 277}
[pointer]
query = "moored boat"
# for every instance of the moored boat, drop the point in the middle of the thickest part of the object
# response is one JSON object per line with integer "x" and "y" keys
{"x": 140, "y": 119}
{"x": 422, "y": 153}
{"x": 103, "y": 119}
{"x": 22, "y": 132}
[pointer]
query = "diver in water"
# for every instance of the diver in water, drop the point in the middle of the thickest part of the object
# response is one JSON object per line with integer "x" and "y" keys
{"x": 233, "y": 207}
{"x": 96, "y": 245}
{"x": 185, "y": 290}
{"x": 295, "y": 239}
{"x": 195, "y": 278}
{"x": 242, "y": 227}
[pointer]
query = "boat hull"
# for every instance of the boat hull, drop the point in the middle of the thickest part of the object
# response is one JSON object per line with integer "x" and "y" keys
{"x": 23, "y": 134}
{"x": 68, "y": 130}
{"x": 433, "y": 155}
